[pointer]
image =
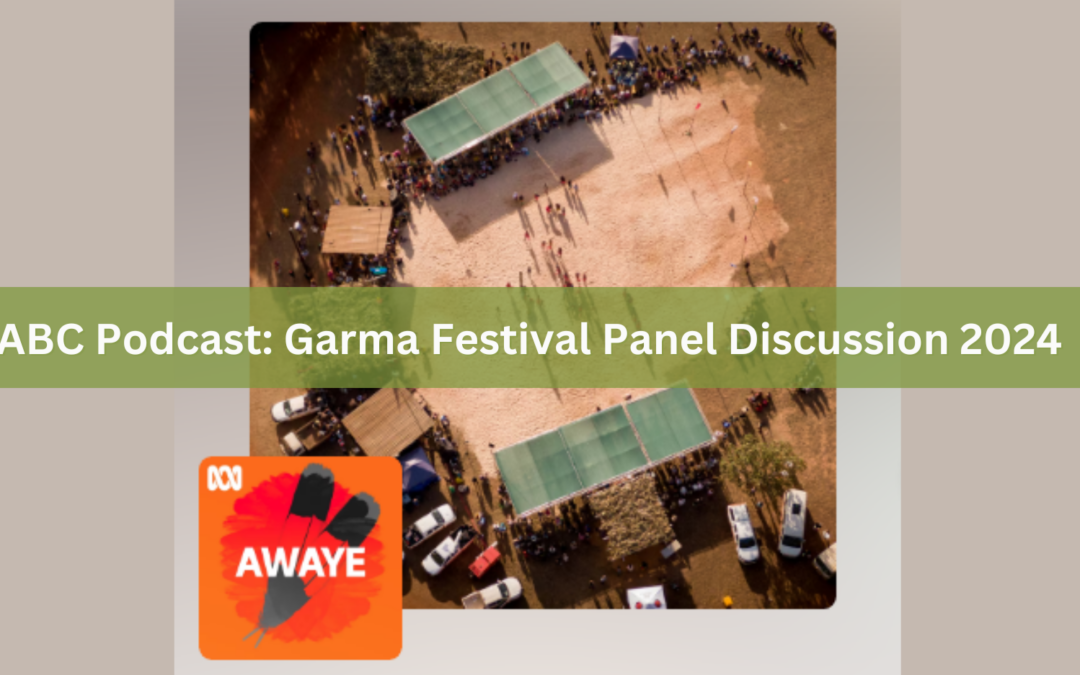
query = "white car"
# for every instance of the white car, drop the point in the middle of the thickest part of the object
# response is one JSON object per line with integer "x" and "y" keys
{"x": 826, "y": 562}
{"x": 429, "y": 525}
{"x": 448, "y": 549}
{"x": 496, "y": 596}
{"x": 290, "y": 409}
{"x": 794, "y": 525}
{"x": 742, "y": 531}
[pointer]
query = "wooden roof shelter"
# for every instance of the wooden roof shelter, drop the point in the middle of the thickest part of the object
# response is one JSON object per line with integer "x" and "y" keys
{"x": 357, "y": 229}
{"x": 388, "y": 422}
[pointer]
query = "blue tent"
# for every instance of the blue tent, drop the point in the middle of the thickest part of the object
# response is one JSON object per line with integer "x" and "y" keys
{"x": 416, "y": 471}
{"x": 623, "y": 47}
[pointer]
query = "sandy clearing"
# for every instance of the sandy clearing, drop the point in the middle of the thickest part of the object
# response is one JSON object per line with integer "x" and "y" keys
{"x": 656, "y": 206}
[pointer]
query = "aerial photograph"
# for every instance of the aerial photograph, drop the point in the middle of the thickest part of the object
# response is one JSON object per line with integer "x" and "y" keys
{"x": 521, "y": 155}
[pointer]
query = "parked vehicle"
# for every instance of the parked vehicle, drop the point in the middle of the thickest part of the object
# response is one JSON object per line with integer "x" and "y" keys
{"x": 293, "y": 408}
{"x": 825, "y": 563}
{"x": 496, "y": 596}
{"x": 742, "y": 531}
{"x": 424, "y": 528}
{"x": 308, "y": 437}
{"x": 449, "y": 549}
{"x": 484, "y": 561}
{"x": 793, "y": 528}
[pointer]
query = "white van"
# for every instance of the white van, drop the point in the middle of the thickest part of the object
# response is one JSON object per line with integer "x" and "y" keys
{"x": 794, "y": 526}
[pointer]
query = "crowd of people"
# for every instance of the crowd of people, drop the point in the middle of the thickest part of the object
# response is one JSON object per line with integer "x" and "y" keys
{"x": 687, "y": 481}
{"x": 555, "y": 534}
{"x": 326, "y": 422}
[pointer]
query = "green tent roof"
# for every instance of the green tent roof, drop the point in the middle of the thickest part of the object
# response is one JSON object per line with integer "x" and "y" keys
{"x": 495, "y": 103}
{"x": 444, "y": 127}
{"x": 538, "y": 471}
{"x": 603, "y": 446}
{"x": 669, "y": 422}
{"x": 494, "y": 100}
{"x": 549, "y": 74}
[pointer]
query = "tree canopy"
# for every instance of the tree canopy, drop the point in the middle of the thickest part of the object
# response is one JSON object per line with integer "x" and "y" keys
{"x": 425, "y": 71}
{"x": 768, "y": 466}
{"x": 633, "y": 515}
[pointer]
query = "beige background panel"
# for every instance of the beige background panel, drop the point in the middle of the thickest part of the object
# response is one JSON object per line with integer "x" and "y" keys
{"x": 87, "y": 170}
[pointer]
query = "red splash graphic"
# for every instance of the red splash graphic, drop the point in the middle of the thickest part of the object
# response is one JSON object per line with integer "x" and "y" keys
{"x": 261, "y": 519}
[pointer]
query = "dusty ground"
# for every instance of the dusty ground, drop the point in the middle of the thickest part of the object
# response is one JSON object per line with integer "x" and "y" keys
{"x": 656, "y": 206}
{"x": 710, "y": 570}
{"x": 305, "y": 79}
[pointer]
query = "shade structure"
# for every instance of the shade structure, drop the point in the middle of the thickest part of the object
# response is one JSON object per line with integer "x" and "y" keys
{"x": 669, "y": 422}
{"x": 496, "y": 103}
{"x": 387, "y": 423}
{"x": 357, "y": 229}
{"x": 416, "y": 470}
{"x": 601, "y": 447}
{"x": 445, "y": 129}
{"x": 549, "y": 74}
{"x": 623, "y": 47}
{"x": 496, "y": 99}
{"x": 651, "y": 597}
{"x": 538, "y": 471}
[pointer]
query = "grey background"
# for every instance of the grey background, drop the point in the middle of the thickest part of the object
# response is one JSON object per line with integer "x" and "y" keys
{"x": 987, "y": 140}
{"x": 86, "y": 180}
{"x": 988, "y": 171}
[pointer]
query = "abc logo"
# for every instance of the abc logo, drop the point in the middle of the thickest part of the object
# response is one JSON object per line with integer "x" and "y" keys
{"x": 224, "y": 478}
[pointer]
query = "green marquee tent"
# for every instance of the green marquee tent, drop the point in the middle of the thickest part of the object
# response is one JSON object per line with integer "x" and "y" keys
{"x": 495, "y": 103}
{"x": 603, "y": 446}
{"x": 538, "y": 471}
{"x": 669, "y": 422}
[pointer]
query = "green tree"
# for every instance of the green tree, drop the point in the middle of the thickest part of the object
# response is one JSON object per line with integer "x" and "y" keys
{"x": 768, "y": 466}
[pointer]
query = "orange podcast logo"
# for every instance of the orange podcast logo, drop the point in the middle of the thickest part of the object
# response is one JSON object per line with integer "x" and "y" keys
{"x": 298, "y": 558}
